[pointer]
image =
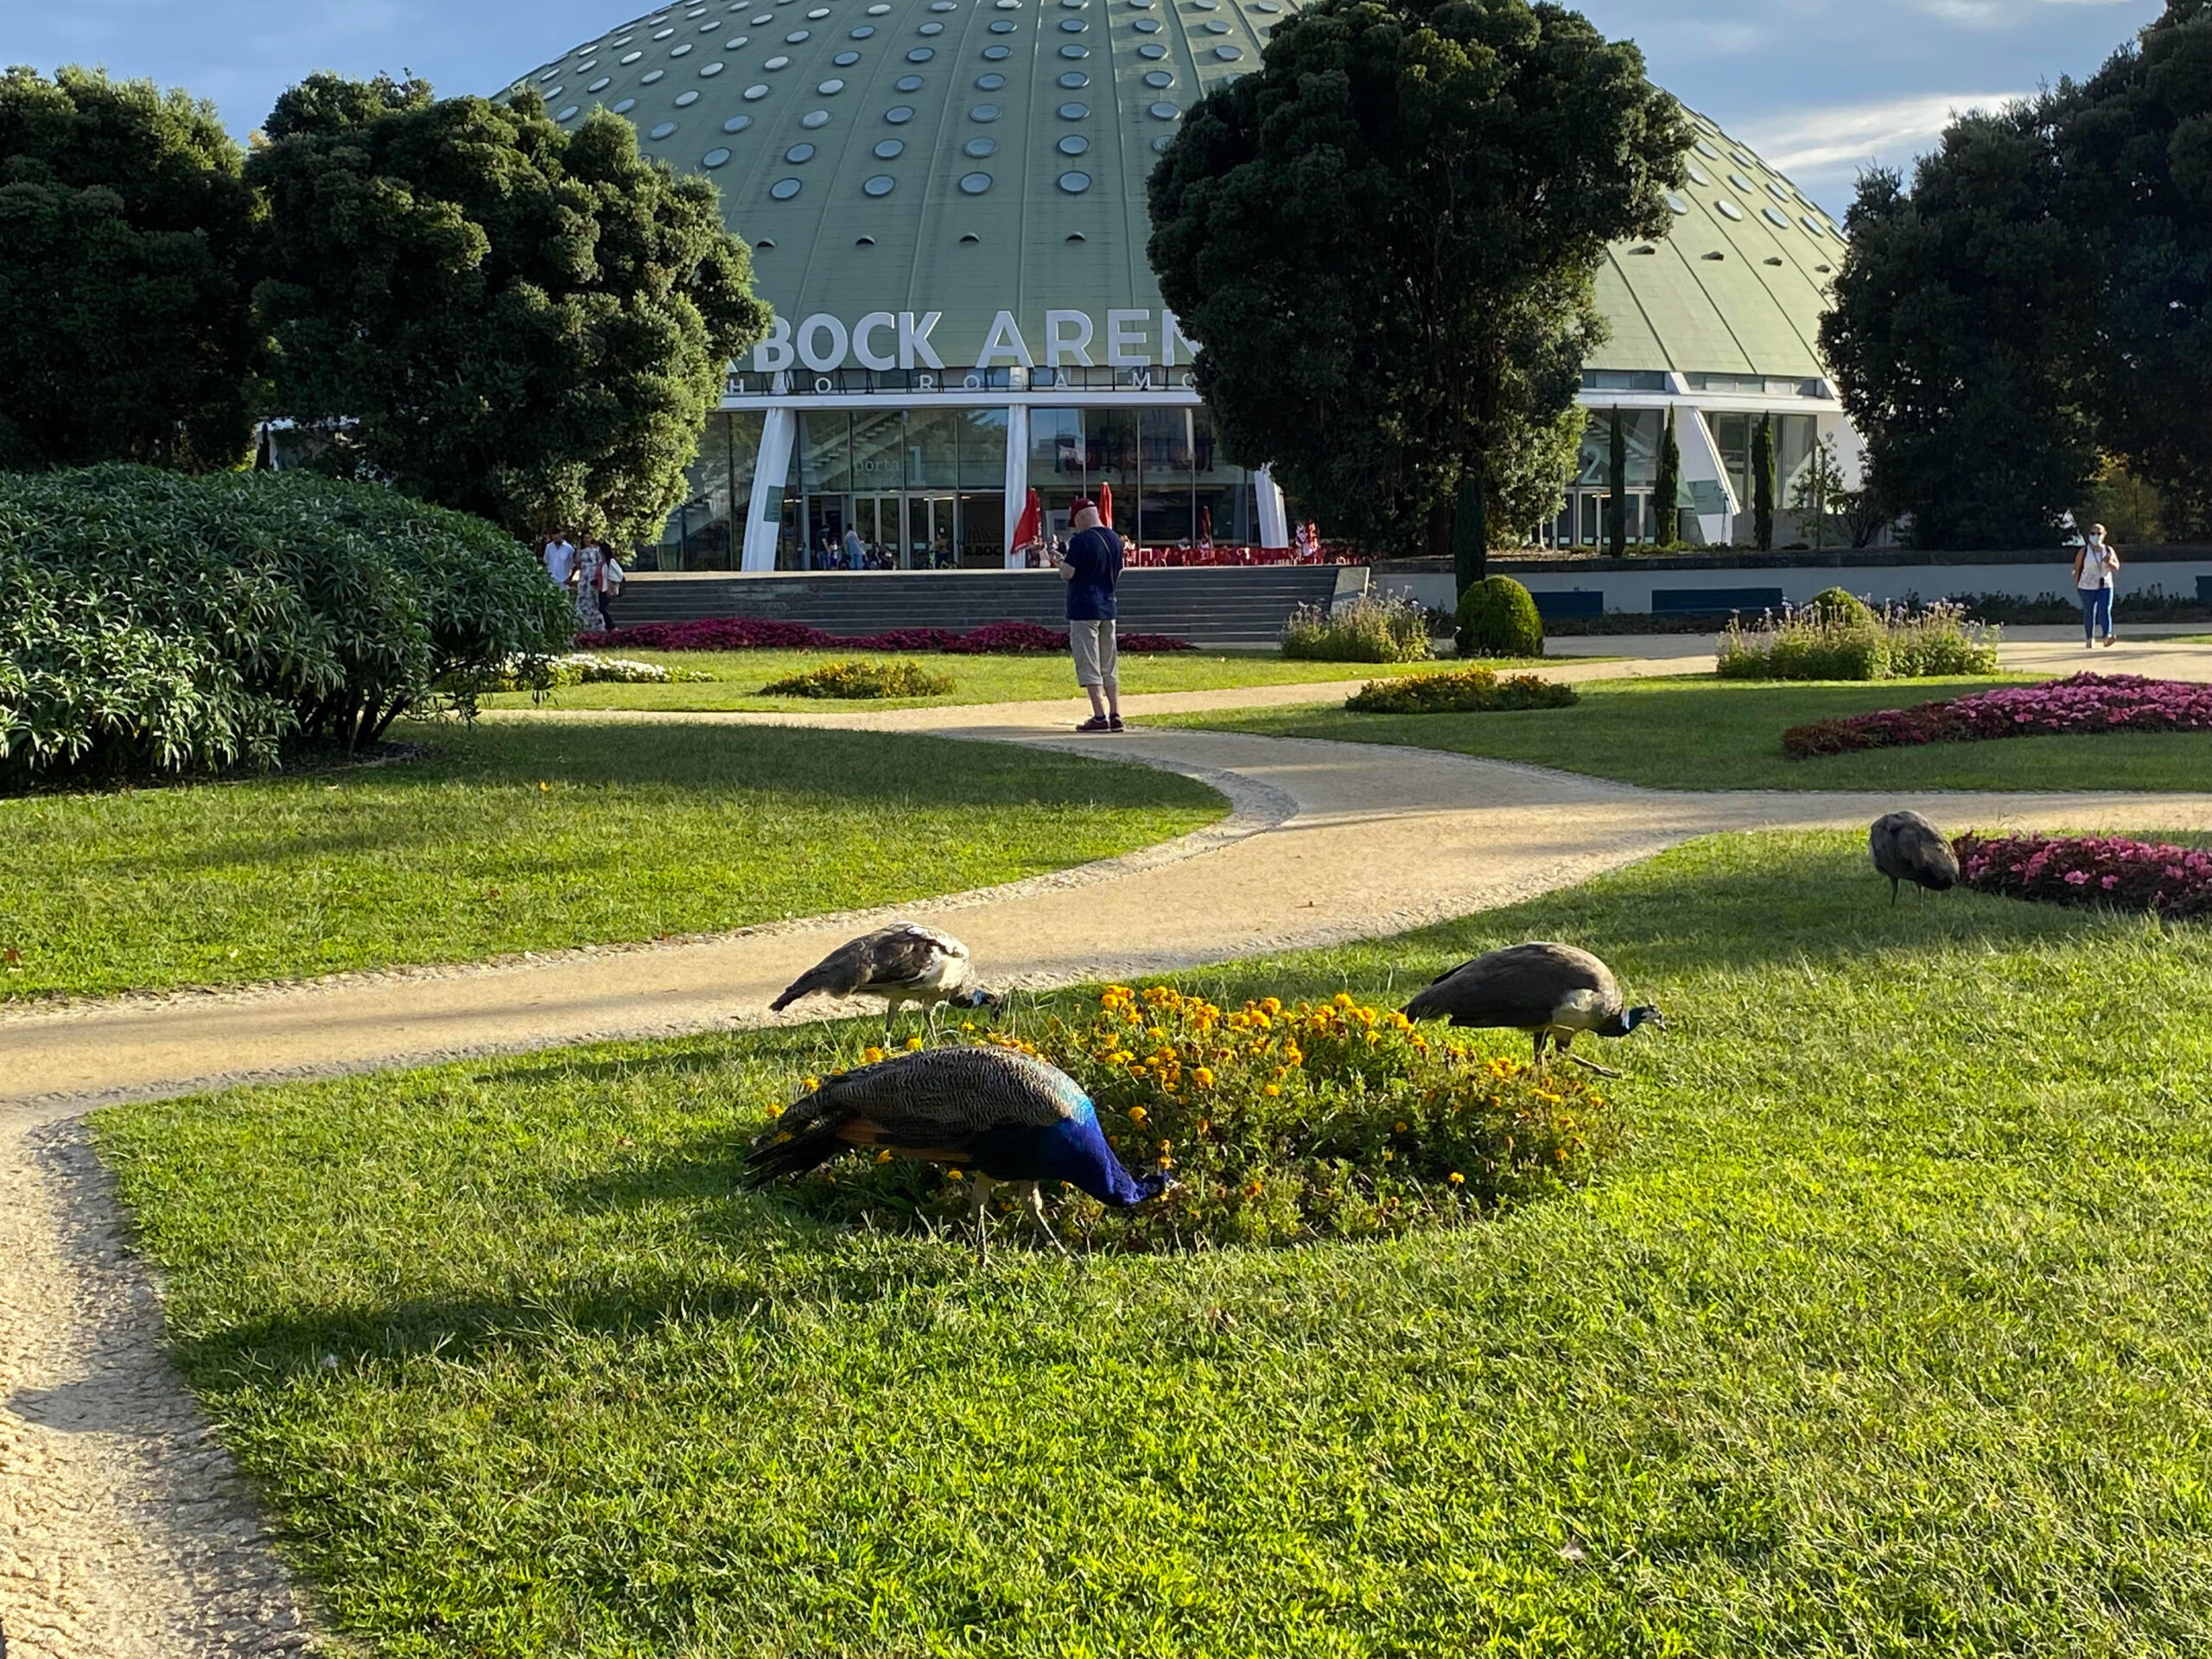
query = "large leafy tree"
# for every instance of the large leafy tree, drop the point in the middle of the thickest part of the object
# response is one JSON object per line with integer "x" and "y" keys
{"x": 2135, "y": 156}
{"x": 496, "y": 314}
{"x": 1385, "y": 243}
{"x": 124, "y": 327}
{"x": 1957, "y": 324}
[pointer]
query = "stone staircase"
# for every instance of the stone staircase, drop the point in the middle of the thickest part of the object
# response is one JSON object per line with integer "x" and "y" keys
{"x": 1226, "y": 606}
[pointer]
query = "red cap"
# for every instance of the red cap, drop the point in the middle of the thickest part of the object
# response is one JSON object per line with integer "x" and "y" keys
{"x": 1080, "y": 504}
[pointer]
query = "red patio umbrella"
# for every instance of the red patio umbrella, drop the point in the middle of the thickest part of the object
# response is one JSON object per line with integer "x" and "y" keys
{"x": 1106, "y": 504}
{"x": 1032, "y": 523}
{"x": 1205, "y": 523}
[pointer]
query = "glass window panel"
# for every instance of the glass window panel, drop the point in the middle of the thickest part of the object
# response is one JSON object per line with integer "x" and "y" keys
{"x": 932, "y": 449}
{"x": 982, "y": 450}
{"x": 1209, "y": 463}
{"x": 1057, "y": 455}
{"x": 1110, "y": 449}
{"x": 879, "y": 451}
{"x": 825, "y": 450}
{"x": 983, "y": 521}
{"x": 1732, "y": 435}
{"x": 1164, "y": 518}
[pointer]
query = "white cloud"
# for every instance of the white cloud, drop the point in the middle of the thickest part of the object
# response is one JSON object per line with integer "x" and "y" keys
{"x": 1823, "y": 149}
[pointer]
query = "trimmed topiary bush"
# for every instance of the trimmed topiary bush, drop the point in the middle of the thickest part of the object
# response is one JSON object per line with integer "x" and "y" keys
{"x": 857, "y": 677}
{"x": 1459, "y": 691}
{"x": 1834, "y": 605}
{"x": 154, "y": 622}
{"x": 1498, "y": 619}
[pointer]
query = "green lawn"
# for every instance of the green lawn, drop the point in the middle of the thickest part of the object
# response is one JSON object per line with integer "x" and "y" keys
{"x": 1888, "y": 1335}
{"x": 740, "y": 674}
{"x": 1702, "y": 733}
{"x": 528, "y": 835}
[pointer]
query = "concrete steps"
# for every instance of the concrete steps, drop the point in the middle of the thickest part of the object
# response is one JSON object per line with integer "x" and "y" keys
{"x": 1234, "y": 605}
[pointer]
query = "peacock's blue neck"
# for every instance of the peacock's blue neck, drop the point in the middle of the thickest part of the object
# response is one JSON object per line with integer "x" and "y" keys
{"x": 1078, "y": 1147}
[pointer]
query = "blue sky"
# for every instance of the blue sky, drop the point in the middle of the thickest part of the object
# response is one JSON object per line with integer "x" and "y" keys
{"x": 1820, "y": 87}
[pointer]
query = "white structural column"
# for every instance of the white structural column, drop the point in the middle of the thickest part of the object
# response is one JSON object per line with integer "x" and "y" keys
{"x": 1701, "y": 464}
{"x": 765, "y": 516}
{"x": 1017, "y": 470}
{"x": 1275, "y": 518}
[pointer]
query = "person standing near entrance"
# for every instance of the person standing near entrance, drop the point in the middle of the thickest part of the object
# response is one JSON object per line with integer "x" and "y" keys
{"x": 2093, "y": 572}
{"x": 1090, "y": 567}
{"x": 856, "y": 549}
{"x": 560, "y": 558}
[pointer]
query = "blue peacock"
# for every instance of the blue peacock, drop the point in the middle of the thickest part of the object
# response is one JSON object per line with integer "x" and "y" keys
{"x": 1003, "y": 1116}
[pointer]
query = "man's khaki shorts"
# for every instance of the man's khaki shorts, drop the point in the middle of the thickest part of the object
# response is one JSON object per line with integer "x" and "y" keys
{"x": 1094, "y": 656}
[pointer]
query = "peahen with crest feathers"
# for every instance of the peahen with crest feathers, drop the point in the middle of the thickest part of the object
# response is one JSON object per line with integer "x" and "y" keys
{"x": 1905, "y": 847}
{"x": 1551, "y": 991}
{"x": 1000, "y": 1116}
{"x": 904, "y": 963}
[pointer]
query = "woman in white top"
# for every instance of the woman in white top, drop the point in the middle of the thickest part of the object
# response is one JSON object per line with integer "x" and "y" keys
{"x": 2092, "y": 571}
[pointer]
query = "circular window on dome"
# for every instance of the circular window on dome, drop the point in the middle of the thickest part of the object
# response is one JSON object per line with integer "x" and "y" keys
{"x": 683, "y": 50}
{"x": 662, "y": 130}
{"x": 1268, "y": 6}
{"x": 831, "y": 88}
{"x": 1165, "y": 112}
{"x": 1073, "y": 145}
{"x": 1708, "y": 151}
{"x": 890, "y": 149}
{"x": 996, "y": 53}
{"x": 980, "y": 148}
{"x": 650, "y": 77}
{"x": 1741, "y": 183}
{"x": 601, "y": 84}
{"x": 1728, "y": 210}
{"x": 1775, "y": 216}
{"x": 1740, "y": 159}
{"x": 1141, "y": 5}
{"x": 814, "y": 118}
{"x": 776, "y": 62}
{"x": 984, "y": 113}
{"x": 1151, "y": 49}
{"x": 1146, "y": 25}
{"x": 1216, "y": 26}
{"x": 881, "y": 185}
{"x": 709, "y": 71}
{"x": 662, "y": 33}
{"x": 930, "y": 28}
{"x": 846, "y": 59}
{"x": 632, "y": 57}
{"x": 879, "y": 10}
{"x": 625, "y": 106}
{"x": 1074, "y": 111}
{"x": 908, "y": 84}
{"x": 898, "y": 115}
{"x": 1074, "y": 80}
{"x": 1159, "y": 77}
{"x": 943, "y": 5}
{"x": 1680, "y": 204}
{"x": 818, "y": 13}
{"x": 989, "y": 83}
{"x": 920, "y": 54}
{"x": 1001, "y": 26}
{"x": 865, "y": 32}
{"x": 763, "y": 17}
{"x": 568, "y": 114}
{"x": 752, "y": 93}
{"x": 1812, "y": 226}
{"x": 1008, "y": 5}
{"x": 1777, "y": 191}
{"x": 1160, "y": 145}
{"x": 798, "y": 36}
{"x": 974, "y": 184}
{"x": 737, "y": 123}
{"x": 1072, "y": 25}
{"x": 1698, "y": 175}
{"x": 797, "y": 155}
{"x": 685, "y": 100}
{"x": 734, "y": 42}
{"x": 784, "y": 189}
{"x": 1075, "y": 51}
{"x": 1229, "y": 53}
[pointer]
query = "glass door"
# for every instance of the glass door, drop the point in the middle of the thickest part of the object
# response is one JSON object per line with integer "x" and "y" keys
{"x": 876, "y": 517}
{"x": 930, "y": 544}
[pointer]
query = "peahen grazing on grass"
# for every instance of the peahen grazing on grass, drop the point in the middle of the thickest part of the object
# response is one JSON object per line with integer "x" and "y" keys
{"x": 999, "y": 1115}
{"x": 902, "y": 963}
{"x": 1551, "y": 991}
{"x": 1907, "y": 848}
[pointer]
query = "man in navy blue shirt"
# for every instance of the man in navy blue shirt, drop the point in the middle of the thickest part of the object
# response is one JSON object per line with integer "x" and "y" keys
{"x": 1089, "y": 566}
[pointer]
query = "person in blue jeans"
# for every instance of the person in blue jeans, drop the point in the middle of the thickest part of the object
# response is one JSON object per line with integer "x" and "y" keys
{"x": 1091, "y": 566}
{"x": 2093, "y": 572}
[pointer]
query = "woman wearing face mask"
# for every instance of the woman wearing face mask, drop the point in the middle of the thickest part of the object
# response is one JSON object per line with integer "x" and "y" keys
{"x": 2093, "y": 573}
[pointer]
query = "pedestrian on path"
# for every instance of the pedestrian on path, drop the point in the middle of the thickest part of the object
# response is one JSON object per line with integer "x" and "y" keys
{"x": 2093, "y": 572}
{"x": 1091, "y": 566}
{"x": 587, "y": 584}
{"x": 560, "y": 557}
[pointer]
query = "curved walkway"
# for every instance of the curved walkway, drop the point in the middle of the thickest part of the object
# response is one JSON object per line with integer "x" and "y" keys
{"x": 125, "y": 1532}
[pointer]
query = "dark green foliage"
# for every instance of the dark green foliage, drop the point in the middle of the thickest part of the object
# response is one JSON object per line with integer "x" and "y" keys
{"x": 1385, "y": 242}
{"x": 1617, "y": 486}
{"x": 154, "y": 622}
{"x": 1763, "y": 483}
{"x": 1498, "y": 619}
{"x": 1835, "y": 604}
{"x": 526, "y": 323}
{"x": 1459, "y": 691}
{"x": 858, "y": 677}
{"x": 123, "y": 332}
{"x": 1470, "y": 532}
{"x": 1666, "y": 487}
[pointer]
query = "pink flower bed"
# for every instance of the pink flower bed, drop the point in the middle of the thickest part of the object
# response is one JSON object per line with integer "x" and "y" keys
{"x": 2089, "y": 870}
{"x": 2082, "y": 702}
{"x": 763, "y": 633}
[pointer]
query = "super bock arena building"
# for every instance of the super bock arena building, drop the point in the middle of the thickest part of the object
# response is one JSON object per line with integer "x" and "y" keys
{"x": 945, "y": 201}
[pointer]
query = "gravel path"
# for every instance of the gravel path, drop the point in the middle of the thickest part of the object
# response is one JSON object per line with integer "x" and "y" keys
{"x": 125, "y": 1531}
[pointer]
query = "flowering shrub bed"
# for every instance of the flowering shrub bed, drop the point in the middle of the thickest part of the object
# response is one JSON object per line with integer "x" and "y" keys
{"x": 1279, "y": 1124}
{"x": 1829, "y": 640}
{"x": 1373, "y": 628}
{"x": 853, "y": 677}
{"x": 764, "y": 634}
{"x": 577, "y": 668}
{"x": 2089, "y": 870}
{"x": 2079, "y": 703}
{"x": 1464, "y": 690}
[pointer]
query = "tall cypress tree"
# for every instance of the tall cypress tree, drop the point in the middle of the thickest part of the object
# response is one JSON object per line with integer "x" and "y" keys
{"x": 1616, "y": 477}
{"x": 1763, "y": 483}
{"x": 1667, "y": 488}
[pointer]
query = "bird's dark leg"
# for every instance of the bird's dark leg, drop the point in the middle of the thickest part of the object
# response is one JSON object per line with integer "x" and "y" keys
{"x": 1602, "y": 1071}
{"x": 1893, "y": 890}
{"x": 1037, "y": 1210}
{"x": 890, "y": 1011}
{"x": 979, "y": 1205}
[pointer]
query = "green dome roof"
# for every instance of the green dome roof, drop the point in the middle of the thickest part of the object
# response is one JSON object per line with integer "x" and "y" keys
{"x": 889, "y": 159}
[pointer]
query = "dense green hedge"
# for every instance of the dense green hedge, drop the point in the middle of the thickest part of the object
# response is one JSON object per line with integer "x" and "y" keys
{"x": 155, "y": 622}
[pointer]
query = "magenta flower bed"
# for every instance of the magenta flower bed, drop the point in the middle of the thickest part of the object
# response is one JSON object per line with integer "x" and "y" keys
{"x": 2089, "y": 870}
{"x": 762, "y": 634}
{"x": 2080, "y": 703}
